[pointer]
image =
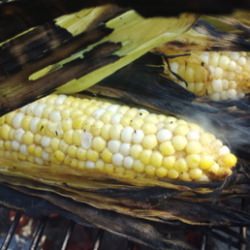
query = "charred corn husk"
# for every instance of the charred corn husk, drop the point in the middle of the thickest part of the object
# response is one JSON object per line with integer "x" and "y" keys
{"x": 93, "y": 136}
{"x": 137, "y": 36}
{"x": 76, "y": 51}
{"x": 219, "y": 75}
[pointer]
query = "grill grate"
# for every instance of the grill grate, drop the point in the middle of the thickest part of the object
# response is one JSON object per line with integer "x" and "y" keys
{"x": 101, "y": 239}
{"x": 216, "y": 238}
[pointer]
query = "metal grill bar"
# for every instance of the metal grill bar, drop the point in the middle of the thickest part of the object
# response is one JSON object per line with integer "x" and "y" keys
{"x": 229, "y": 240}
{"x": 204, "y": 242}
{"x": 38, "y": 234}
{"x": 11, "y": 232}
{"x": 68, "y": 234}
{"x": 243, "y": 230}
{"x": 243, "y": 245}
{"x": 98, "y": 240}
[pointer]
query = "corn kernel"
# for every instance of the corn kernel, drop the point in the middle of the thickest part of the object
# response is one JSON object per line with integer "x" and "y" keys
{"x": 150, "y": 170}
{"x": 4, "y": 132}
{"x": 105, "y": 131}
{"x": 179, "y": 142}
{"x": 31, "y": 149}
{"x": 167, "y": 148}
{"x": 228, "y": 160}
{"x": 193, "y": 147}
{"x": 173, "y": 174}
{"x": 149, "y": 128}
{"x": 106, "y": 156}
{"x": 59, "y": 155}
{"x": 81, "y": 154}
{"x": 98, "y": 144}
{"x": 71, "y": 151}
{"x": 68, "y": 137}
{"x": 149, "y": 141}
{"x": 28, "y": 138}
{"x": 115, "y": 132}
{"x": 214, "y": 168}
{"x": 120, "y": 170}
{"x": 181, "y": 165}
{"x": 156, "y": 159}
{"x": 67, "y": 124}
{"x": 193, "y": 160}
{"x": 76, "y": 138}
{"x": 181, "y": 130}
{"x": 109, "y": 168}
{"x": 206, "y": 162}
{"x": 145, "y": 156}
{"x": 137, "y": 123}
{"x": 76, "y": 124}
{"x": 38, "y": 152}
{"x": 195, "y": 173}
{"x": 185, "y": 177}
{"x": 92, "y": 155}
{"x": 161, "y": 172}
{"x": 100, "y": 165}
{"x": 138, "y": 166}
{"x": 54, "y": 143}
{"x": 26, "y": 122}
{"x": 135, "y": 150}
{"x": 168, "y": 162}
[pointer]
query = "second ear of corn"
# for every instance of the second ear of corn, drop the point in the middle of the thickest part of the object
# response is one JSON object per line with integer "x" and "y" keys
{"x": 92, "y": 136}
{"x": 218, "y": 75}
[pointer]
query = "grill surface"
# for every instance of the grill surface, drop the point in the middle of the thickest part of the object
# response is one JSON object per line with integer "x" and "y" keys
{"x": 18, "y": 231}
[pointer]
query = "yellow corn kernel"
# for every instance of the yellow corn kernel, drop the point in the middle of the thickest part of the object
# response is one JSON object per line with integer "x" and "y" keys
{"x": 161, "y": 172}
{"x": 98, "y": 144}
{"x": 193, "y": 147}
{"x": 71, "y": 151}
{"x": 181, "y": 165}
{"x": 169, "y": 161}
{"x": 156, "y": 159}
{"x": 92, "y": 155}
{"x": 81, "y": 154}
{"x": 149, "y": 128}
{"x": 150, "y": 170}
{"x": 149, "y": 141}
{"x": 145, "y": 156}
{"x": 28, "y": 138}
{"x": 194, "y": 160}
{"x": 138, "y": 166}
{"x": 206, "y": 162}
{"x": 59, "y": 155}
{"x": 179, "y": 142}
{"x": 195, "y": 173}
{"x": 167, "y": 148}
{"x": 106, "y": 156}
{"x": 4, "y": 131}
{"x": 229, "y": 160}
{"x": 173, "y": 174}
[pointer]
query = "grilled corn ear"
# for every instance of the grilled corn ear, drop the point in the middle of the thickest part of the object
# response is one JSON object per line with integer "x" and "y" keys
{"x": 93, "y": 136}
{"x": 219, "y": 75}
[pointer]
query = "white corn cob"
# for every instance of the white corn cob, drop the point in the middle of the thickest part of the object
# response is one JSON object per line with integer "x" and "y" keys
{"x": 106, "y": 138}
{"x": 219, "y": 75}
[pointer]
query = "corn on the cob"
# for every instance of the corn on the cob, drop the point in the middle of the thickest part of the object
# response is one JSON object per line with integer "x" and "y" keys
{"x": 219, "y": 75}
{"x": 106, "y": 138}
